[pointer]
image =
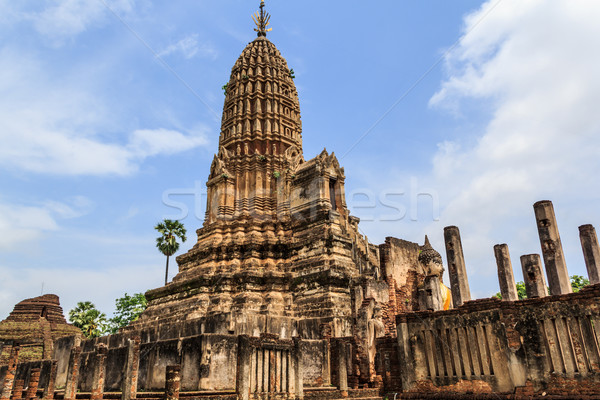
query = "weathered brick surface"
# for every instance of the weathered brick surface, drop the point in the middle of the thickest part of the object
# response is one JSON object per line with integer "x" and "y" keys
{"x": 400, "y": 265}
{"x": 388, "y": 365}
{"x": 34, "y": 380}
{"x": 51, "y": 386}
{"x": 17, "y": 393}
{"x": 173, "y": 379}
{"x": 11, "y": 369}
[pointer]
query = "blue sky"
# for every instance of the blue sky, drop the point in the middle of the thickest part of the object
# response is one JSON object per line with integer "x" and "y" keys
{"x": 442, "y": 113}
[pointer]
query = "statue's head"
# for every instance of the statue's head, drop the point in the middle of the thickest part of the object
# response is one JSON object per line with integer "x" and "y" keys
{"x": 376, "y": 312}
{"x": 431, "y": 260}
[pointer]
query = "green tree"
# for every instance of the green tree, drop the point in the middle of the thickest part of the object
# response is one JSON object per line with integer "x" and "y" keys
{"x": 521, "y": 292}
{"x": 167, "y": 243}
{"x": 127, "y": 309}
{"x": 578, "y": 282}
{"x": 86, "y": 317}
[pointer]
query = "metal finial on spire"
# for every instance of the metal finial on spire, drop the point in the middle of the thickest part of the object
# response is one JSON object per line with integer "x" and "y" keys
{"x": 262, "y": 20}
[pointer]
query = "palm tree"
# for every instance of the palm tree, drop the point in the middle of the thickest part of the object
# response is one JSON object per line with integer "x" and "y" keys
{"x": 167, "y": 243}
{"x": 86, "y": 317}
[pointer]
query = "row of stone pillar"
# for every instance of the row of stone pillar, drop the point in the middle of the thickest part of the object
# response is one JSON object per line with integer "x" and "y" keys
{"x": 247, "y": 370}
{"x": 97, "y": 375}
{"x": 13, "y": 389}
{"x": 130, "y": 378}
{"x": 535, "y": 284}
{"x": 554, "y": 259}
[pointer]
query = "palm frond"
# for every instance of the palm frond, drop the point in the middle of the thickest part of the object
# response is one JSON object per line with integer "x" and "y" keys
{"x": 170, "y": 231}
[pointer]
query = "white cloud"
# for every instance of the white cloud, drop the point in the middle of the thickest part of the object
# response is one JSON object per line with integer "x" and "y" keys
{"x": 189, "y": 47}
{"x": 62, "y": 19}
{"x": 77, "y": 206}
{"x": 22, "y": 225}
{"x": 536, "y": 64}
{"x": 35, "y": 148}
{"x": 146, "y": 142}
{"x": 52, "y": 126}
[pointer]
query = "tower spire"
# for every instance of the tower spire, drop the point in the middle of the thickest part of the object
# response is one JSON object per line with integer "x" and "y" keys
{"x": 261, "y": 19}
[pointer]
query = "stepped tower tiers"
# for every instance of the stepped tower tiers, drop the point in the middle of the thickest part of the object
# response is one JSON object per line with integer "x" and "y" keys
{"x": 278, "y": 252}
{"x": 35, "y": 324}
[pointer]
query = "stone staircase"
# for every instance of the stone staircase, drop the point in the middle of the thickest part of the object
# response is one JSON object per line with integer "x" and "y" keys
{"x": 335, "y": 394}
{"x": 327, "y": 393}
{"x": 201, "y": 395}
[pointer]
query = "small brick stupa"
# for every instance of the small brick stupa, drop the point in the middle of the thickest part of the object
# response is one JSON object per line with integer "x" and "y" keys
{"x": 35, "y": 324}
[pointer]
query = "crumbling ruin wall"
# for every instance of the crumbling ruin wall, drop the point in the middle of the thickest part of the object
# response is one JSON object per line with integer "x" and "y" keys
{"x": 388, "y": 363}
{"x": 62, "y": 351}
{"x": 315, "y": 362}
{"x": 547, "y": 344}
{"x": 208, "y": 361}
{"x": 403, "y": 273}
{"x": 24, "y": 372}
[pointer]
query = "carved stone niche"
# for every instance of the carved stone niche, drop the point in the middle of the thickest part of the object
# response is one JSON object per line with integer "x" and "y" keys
{"x": 318, "y": 188}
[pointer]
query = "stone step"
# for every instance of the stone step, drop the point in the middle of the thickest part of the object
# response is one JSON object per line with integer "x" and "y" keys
{"x": 198, "y": 395}
{"x": 326, "y": 393}
{"x": 360, "y": 398}
{"x": 201, "y": 397}
{"x": 335, "y": 394}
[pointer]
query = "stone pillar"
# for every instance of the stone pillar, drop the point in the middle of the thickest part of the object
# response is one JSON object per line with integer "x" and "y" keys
{"x": 99, "y": 371}
{"x": 343, "y": 368}
{"x": 49, "y": 390}
{"x": 18, "y": 389}
{"x": 508, "y": 289}
{"x": 535, "y": 284}
{"x": 272, "y": 373}
{"x": 291, "y": 374}
{"x": 405, "y": 357}
{"x": 173, "y": 382}
{"x": 591, "y": 252}
{"x": 130, "y": 379}
{"x": 456, "y": 266}
{"x": 11, "y": 369}
{"x": 554, "y": 259}
{"x": 48, "y": 344}
{"x": 73, "y": 373}
{"x": 298, "y": 367}
{"x": 243, "y": 368}
{"x": 326, "y": 368}
{"x": 34, "y": 381}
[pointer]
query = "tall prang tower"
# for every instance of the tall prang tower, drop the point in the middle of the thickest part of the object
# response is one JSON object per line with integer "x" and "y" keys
{"x": 278, "y": 252}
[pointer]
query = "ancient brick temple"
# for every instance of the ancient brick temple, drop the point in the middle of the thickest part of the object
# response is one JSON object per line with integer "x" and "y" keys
{"x": 282, "y": 298}
{"x": 279, "y": 253}
{"x": 35, "y": 323}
